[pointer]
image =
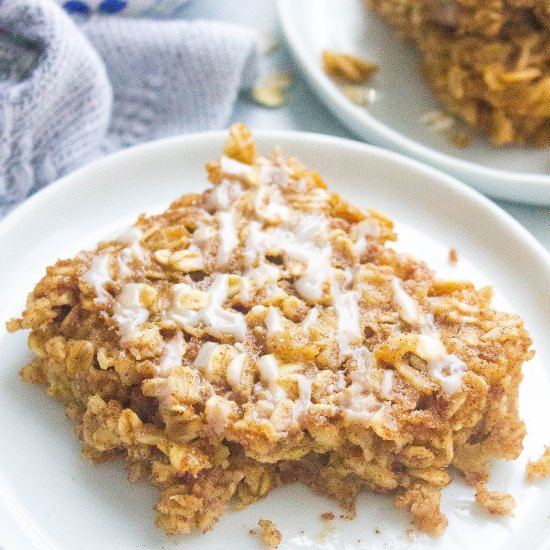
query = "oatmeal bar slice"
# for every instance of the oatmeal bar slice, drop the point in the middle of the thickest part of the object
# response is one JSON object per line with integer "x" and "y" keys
{"x": 265, "y": 332}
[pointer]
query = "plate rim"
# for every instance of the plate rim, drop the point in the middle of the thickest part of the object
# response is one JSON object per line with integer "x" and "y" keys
{"x": 16, "y": 529}
{"x": 489, "y": 180}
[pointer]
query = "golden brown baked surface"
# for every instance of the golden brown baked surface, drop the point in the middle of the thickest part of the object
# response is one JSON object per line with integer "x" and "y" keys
{"x": 264, "y": 332}
{"x": 488, "y": 62}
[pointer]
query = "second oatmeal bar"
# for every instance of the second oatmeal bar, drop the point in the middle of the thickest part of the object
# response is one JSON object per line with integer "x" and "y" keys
{"x": 487, "y": 62}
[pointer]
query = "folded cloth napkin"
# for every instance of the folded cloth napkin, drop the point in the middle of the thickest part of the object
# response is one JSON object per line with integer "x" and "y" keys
{"x": 127, "y": 7}
{"x": 70, "y": 92}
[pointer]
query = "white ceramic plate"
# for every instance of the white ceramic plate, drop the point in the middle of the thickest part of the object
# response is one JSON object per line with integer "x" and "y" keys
{"x": 394, "y": 120}
{"x": 50, "y": 499}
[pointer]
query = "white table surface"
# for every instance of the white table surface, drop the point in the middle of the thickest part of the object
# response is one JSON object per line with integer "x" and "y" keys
{"x": 303, "y": 111}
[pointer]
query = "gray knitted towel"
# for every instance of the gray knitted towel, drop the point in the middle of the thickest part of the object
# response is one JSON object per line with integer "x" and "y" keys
{"x": 71, "y": 92}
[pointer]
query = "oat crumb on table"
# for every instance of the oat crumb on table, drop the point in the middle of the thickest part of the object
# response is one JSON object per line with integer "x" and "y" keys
{"x": 327, "y": 516}
{"x": 271, "y": 536}
{"x": 347, "y": 68}
{"x": 496, "y": 503}
{"x": 360, "y": 95}
{"x": 540, "y": 468}
{"x": 270, "y": 92}
{"x": 270, "y": 42}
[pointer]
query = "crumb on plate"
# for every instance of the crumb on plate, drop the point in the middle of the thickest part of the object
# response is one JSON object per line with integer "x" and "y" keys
{"x": 453, "y": 256}
{"x": 495, "y": 502}
{"x": 540, "y": 468}
{"x": 271, "y": 536}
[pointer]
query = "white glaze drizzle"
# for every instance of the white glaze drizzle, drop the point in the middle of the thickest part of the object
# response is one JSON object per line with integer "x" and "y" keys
{"x": 263, "y": 274}
{"x": 273, "y": 320}
{"x": 303, "y": 402}
{"x": 123, "y": 259}
{"x": 448, "y": 369}
{"x": 234, "y": 167}
{"x": 202, "y": 236}
{"x": 274, "y": 175}
{"x": 173, "y": 352}
{"x": 257, "y": 309}
{"x": 357, "y": 400}
{"x": 217, "y": 320}
{"x": 363, "y": 230}
{"x": 311, "y": 318}
{"x": 270, "y": 205}
{"x": 234, "y": 371}
{"x": 298, "y": 243}
{"x": 405, "y": 305}
{"x": 269, "y": 372}
{"x": 217, "y": 411}
{"x": 319, "y": 269}
{"x": 99, "y": 274}
{"x": 358, "y": 405}
{"x": 223, "y": 195}
{"x": 219, "y": 197}
{"x": 347, "y": 314}
{"x": 387, "y": 383}
{"x": 203, "y": 360}
{"x": 129, "y": 312}
{"x": 228, "y": 236}
{"x": 254, "y": 243}
{"x": 133, "y": 250}
{"x": 364, "y": 361}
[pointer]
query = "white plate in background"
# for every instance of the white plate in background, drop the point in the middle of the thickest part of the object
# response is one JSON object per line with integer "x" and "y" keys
{"x": 50, "y": 499}
{"x": 394, "y": 120}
